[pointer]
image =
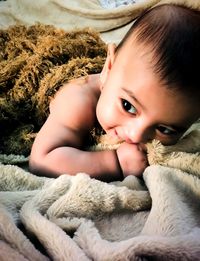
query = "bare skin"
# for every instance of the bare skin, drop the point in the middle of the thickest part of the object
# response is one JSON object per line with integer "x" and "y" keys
{"x": 58, "y": 147}
{"x": 130, "y": 107}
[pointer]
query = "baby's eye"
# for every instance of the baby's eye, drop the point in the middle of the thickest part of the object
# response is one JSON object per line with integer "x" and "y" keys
{"x": 128, "y": 107}
{"x": 166, "y": 130}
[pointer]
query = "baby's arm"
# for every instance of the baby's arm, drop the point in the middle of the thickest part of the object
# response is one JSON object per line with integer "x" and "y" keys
{"x": 58, "y": 147}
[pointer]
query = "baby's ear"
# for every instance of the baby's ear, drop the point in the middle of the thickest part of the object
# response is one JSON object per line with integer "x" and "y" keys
{"x": 108, "y": 63}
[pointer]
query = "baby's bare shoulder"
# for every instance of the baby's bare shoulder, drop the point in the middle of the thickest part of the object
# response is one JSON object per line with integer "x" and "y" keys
{"x": 75, "y": 101}
{"x": 81, "y": 89}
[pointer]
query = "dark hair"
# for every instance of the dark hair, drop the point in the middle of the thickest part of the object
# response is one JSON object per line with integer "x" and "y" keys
{"x": 173, "y": 34}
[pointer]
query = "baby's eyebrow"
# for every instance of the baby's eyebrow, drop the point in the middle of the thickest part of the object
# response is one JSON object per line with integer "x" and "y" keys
{"x": 132, "y": 95}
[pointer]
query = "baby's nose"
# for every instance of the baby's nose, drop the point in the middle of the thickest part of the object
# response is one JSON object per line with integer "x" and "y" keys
{"x": 138, "y": 134}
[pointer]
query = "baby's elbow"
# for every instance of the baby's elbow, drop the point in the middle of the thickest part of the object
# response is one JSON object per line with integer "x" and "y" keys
{"x": 38, "y": 166}
{"x": 32, "y": 165}
{"x": 35, "y": 164}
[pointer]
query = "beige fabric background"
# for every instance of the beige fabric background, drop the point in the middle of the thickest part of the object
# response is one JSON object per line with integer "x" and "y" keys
{"x": 78, "y": 14}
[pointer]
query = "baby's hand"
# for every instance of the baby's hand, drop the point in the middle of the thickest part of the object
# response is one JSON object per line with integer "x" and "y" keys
{"x": 132, "y": 159}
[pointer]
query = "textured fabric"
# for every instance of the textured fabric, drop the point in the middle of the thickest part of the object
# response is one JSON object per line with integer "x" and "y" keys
{"x": 115, "y": 3}
{"x": 111, "y": 23}
{"x": 79, "y": 218}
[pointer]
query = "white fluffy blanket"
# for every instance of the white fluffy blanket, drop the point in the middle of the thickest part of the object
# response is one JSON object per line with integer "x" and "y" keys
{"x": 79, "y": 218}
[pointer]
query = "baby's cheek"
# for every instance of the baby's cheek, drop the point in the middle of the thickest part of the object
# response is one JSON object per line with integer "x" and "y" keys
{"x": 105, "y": 117}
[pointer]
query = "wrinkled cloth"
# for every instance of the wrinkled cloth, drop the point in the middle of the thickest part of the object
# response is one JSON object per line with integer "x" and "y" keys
{"x": 111, "y": 23}
{"x": 79, "y": 218}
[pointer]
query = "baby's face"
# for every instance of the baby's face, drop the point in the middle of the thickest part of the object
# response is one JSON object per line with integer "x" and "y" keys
{"x": 135, "y": 107}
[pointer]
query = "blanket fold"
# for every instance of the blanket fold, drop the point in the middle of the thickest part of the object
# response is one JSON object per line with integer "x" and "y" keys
{"x": 74, "y": 217}
{"x": 111, "y": 23}
{"x": 167, "y": 234}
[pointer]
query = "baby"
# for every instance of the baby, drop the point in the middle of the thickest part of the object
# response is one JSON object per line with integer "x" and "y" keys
{"x": 149, "y": 88}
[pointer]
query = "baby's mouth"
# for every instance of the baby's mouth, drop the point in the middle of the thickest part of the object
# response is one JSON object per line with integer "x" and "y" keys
{"x": 114, "y": 138}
